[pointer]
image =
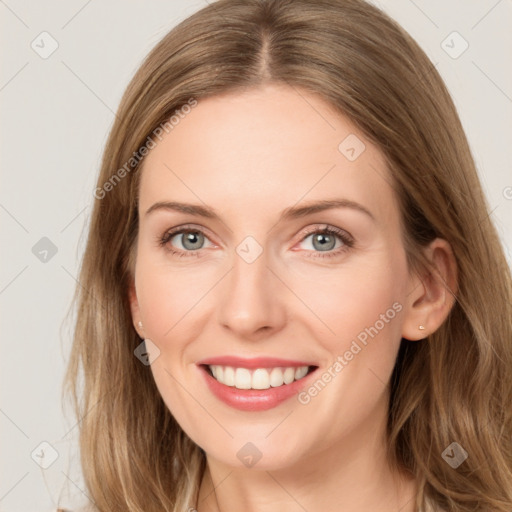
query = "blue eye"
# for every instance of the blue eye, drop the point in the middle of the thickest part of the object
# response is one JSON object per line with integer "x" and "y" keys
{"x": 324, "y": 240}
{"x": 191, "y": 240}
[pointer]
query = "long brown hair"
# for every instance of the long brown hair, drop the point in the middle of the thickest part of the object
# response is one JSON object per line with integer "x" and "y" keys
{"x": 455, "y": 386}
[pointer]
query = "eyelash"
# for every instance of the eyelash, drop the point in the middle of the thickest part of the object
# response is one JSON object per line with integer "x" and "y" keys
{"x": 348, "y": 241}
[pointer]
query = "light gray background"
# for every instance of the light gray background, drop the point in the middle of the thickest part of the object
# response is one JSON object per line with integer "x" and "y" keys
{"x": 56, "y": 114}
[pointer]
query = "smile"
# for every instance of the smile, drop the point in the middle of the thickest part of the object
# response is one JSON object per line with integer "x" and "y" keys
{"x": 260, "y": 378}
{"x": 255, "y": 384}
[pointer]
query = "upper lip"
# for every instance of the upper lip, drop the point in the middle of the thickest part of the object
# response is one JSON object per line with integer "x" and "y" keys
{"x": 254, "y": 362}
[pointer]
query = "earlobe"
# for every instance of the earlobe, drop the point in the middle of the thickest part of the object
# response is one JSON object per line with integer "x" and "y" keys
{"x": 432, "y": 294}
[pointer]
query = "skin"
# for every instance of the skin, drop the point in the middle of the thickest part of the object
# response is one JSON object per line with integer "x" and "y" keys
{"x": 232, "y": 153}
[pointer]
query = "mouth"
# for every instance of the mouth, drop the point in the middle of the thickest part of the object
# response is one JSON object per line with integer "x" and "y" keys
{"x": 258, "y": 378}
{"x": 255, "y": 384}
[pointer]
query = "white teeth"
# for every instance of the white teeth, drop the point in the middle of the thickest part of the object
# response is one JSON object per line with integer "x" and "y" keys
{"x": 299, "y": 372}
{"x": 289, "y": 375}
{"x": 242, "y": 378}
{"x": 276, "y": 377}
{"x": 260, "y": 378}
{"x": 229, "y": 376}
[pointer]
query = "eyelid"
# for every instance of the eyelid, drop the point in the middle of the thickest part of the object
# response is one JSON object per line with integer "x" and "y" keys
{"x": 347, "y": 241}
{"x": 172, "y": 232}
{"x": 322, "y": 227}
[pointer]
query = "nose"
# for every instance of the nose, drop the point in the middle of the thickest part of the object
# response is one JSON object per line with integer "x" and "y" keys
{"x": 252, "y": 299}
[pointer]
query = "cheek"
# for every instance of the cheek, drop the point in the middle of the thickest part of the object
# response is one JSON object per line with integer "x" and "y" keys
{"x": 369, "y": 330}
{"x": 361, "y": 300}
{"x": 360, "y": 330}
{"x": 169, "y": 302}
{"x": 169, "y": 296}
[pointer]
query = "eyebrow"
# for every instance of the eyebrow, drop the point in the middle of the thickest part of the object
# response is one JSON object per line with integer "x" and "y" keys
{"x": 290, "y": 213}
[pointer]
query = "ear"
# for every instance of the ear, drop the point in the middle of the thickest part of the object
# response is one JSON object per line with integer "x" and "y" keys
{"x": 431, "y": 295}
{"x": 134, "y": 307}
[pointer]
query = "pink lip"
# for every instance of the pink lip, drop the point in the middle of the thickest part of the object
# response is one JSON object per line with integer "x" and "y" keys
{"x": 253, "y": 399}
{"x": 252, "y": 363}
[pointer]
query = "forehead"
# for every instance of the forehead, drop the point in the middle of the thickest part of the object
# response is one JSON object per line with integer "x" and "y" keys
{"x": 263, "y": 150}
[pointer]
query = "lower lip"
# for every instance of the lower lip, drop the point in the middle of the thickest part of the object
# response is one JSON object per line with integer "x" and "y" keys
{"x": 254, "y": 399}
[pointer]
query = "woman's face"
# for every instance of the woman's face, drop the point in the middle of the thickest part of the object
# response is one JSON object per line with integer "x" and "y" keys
{"x": 257, "y": 286}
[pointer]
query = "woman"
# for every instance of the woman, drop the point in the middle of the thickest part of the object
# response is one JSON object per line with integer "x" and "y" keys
{"x": 289, "y": 215}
